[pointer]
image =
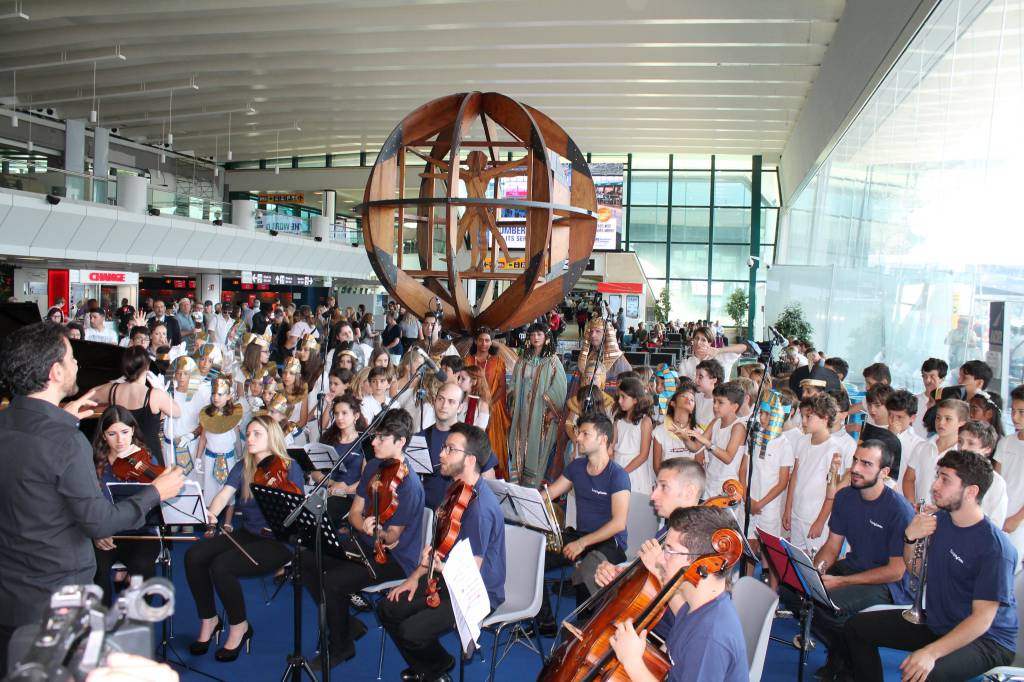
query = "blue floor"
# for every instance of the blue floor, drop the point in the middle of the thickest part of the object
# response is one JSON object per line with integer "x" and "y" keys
{"x": 272, "y": 643}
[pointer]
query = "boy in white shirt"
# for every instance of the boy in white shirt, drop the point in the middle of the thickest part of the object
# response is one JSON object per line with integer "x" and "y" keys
{"x": 1009, "y": 462}
{"x": 380, "y": 382}
{"x": 950, "y": 415}
{"x": 723, "y": 440}
{"x": 771, "y": 476}
{"x": 708, "y": 376}
{"x": 980, "y": 437}
{"x": 844, "y": 441}
{"x": 901, "y": 408}
{"x": 816, "y": 459}
{"x": 933, "y": 374}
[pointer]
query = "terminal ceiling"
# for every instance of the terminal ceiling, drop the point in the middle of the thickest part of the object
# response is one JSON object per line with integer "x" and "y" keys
{"x": 329, "y": 76}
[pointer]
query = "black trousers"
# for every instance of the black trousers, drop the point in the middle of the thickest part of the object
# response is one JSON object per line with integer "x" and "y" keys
{"x": 342, "y": 578}
{"x": 866, "y": 632}
{"x": 416, "y": 628}
{"x": 609, "y": 548}
{"x": 138, "y": 556}
{"x": 828, "y": 627}
{"x": 6, "y": 632}
{"x": 216, "y": 564}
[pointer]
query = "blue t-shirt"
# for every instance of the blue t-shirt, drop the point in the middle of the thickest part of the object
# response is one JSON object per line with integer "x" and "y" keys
{"x": 484, "y": 525}
{"x": 436, "y": 485}
{"x": 409, "y": 516}
{"x": 252, "y": 517}
{"x": 875, "y": 532}
{"x": 594, "y": 495}
{"x": 353, "y": 463}
{"x": 708, "y": 644}
{"x": 971, "y": 563}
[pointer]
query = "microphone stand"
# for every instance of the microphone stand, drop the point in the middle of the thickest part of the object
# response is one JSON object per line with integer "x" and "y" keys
{"x": 316, "y": 503}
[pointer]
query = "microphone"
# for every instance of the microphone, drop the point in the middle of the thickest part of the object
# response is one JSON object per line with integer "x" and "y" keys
{"x": 441, "y": 375}
{"x": 778, "y": 338}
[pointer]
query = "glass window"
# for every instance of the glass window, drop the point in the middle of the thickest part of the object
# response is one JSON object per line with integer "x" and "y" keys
{"x": 720, "y": 293}
{"x": 732, "y": 189}
{"x": 318, "y": 161}
{"x": 648, "y": 187}
{"x": 341, "y": 159}
{"x": 691, "y": 188}
{"x": 730, "y": 262}
{"x": 770, "y": 188}
{"x": 690, "y": 224}
{"x": 733, "y": 162}
{"x": 689, "y": 300}
{"x": 689, "y": 261}
{"x": 648, "y": 224}
{"x": 652, "y": 258}
{"x": 691, "y": 162}
{"x": 769, "y": 225}
{"x": 732, "y": 225}
{"x": 644, "y": 161}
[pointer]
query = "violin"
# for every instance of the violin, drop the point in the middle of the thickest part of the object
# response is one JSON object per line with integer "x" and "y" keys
{"x": 135, "y": 466}
{"x": 384, "y": 489}
{"x": 588, "y": 655}
{"x": 275, "y": 475}
{"x": 447, "y": 524}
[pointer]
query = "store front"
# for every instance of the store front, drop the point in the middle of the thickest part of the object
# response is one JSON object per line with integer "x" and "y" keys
{"x": 270, "y": 288}
{"x": 108, "y": 287}
{"x": 166, "y": 288}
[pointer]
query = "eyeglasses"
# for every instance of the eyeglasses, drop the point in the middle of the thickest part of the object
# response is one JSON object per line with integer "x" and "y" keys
{"x": 672, "y": 552}
{"x": 381, "y": 436}
{"x": 449, "y": 448}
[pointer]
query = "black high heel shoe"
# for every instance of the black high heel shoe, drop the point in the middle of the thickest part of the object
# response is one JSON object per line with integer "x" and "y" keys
{"x": 227, "y": 655}
{"x": 198, "y": 648}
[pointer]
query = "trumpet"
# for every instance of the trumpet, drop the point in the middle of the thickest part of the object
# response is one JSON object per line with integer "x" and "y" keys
{"x": 554, "y": 543}
{"x": 915, "y": 614}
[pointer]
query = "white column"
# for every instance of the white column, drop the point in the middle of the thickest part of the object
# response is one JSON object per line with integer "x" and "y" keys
{"x": 320, "y": 227}
{"x": 131, "y": 193}
{"x": 243, "y": 214}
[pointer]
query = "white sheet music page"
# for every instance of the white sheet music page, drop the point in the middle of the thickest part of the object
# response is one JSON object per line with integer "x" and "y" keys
{"x": 470, "y": 602}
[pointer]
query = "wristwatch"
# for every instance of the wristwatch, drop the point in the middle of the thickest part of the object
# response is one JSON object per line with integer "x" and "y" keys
{"x": 908, "y": 541}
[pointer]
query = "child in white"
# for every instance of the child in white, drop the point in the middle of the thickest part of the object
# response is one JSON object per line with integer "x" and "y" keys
{"x": 950, "y": 415}
{"x": 901, "y": 408}
{"x": 807, "y": 507}
{"x": 669, "y": 441}
{"x": 770, "y": 479}
{"x": 723, "y": 440}
{"x": 634, "y": 423}
{"x": 1009, "y": 462}
{"x": 981, "y": 437}
{"x": 181, "y": 433}
{"x": 708, "y": 376}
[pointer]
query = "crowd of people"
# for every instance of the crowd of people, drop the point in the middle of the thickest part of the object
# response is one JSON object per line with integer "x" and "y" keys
{"x": 856, "y": 478}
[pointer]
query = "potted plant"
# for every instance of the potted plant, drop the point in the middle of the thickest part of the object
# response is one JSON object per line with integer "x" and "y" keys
{"x": 736, "y": 307}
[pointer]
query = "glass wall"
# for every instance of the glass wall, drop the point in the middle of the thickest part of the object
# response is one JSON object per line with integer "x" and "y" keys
{"x": 690, "y": 221}
{"x": 909, "y": 230}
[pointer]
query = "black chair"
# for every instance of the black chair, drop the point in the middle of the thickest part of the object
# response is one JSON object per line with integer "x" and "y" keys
{"x": 656, "y": 359}
{"x": 636, "y": 359}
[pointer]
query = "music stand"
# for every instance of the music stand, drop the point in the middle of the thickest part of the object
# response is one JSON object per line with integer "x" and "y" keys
{"x": 796, "y": 570}
{"x": 417, "y": 452}
{"x": 522, "y": 506}
{"x": 315, "y": 457}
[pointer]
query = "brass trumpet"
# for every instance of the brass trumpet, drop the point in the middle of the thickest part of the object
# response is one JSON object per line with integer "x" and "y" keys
{"x": 915, "y": 614}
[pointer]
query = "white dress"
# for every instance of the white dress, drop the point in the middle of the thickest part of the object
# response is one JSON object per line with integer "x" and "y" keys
{"x": 224, "y": 445}
{"x": 627, "y": 446}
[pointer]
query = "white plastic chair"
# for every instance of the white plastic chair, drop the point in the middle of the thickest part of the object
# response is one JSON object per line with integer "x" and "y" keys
{"x": 1017, "y": 668}
{"x": 755, "y": 603}
{"x": 524, "y": 582}
{"x": 641, "y": 523}
{"x": 385, "y": 587}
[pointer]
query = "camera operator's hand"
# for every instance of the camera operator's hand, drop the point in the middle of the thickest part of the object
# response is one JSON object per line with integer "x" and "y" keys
{"x": 129, "y": 667}
{"x": 169, "y": 483}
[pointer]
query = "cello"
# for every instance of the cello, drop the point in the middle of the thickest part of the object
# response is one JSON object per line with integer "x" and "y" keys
{"x": 384, "y": 489}
{"x": 588, "y": 655}
{"x": 447, "y": 524}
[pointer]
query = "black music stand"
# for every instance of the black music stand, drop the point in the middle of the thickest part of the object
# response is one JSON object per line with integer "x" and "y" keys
{"x": 796, "y": 570}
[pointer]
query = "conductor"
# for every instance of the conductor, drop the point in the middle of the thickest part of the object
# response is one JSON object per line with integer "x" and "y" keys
{"x": 51, "y": 505}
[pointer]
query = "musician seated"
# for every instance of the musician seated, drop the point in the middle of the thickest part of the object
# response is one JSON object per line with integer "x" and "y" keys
{"x": 414, "y": 626}
{"x": 217, "y": 562}
{"x": 402, "y": 534}
{"x": 971, "y": 616}
{"x": 446, "y": 413}
{"x": 870, "y": 517}
{"x": 116, "y": 433}
{"x": 706, "y": 640}
{"x": 602, "y": 505}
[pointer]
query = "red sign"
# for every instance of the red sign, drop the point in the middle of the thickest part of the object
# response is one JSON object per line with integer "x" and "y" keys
{"x": 179, "y": 284}
{"x": 620, "y": 287}
{"x": 106, "y": 277}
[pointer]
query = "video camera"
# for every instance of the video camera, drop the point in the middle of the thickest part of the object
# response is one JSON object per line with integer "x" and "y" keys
{"x": 77, "y": 632}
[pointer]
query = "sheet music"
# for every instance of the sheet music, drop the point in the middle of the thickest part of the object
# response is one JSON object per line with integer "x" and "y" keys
{"x": 470, "y": 602}
{"x": 187, "y": 509}
{"x": 521, "y": 505}
{"x": 418, "y": 454}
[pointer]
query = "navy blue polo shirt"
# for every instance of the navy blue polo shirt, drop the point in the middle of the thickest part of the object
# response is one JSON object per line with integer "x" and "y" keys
{"x": 353, "y": 463}
{"x": 435, "y": 485}
{"x": 409, "y": 516}
{"x": 594, "y": 495}
{"x": 708, "y": 644}
{"x": 252, "y": 516}
{"x": 483, "y": 525}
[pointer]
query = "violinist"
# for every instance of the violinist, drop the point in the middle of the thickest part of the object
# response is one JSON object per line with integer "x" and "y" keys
{"x": 415, "y": 625}
{"x": 706, "y": 640}
{"x": 216, "y": 563}
{"x": 118, "y": 434}
{"x": 402, "y": 534}
{"x": 602, "y": 505}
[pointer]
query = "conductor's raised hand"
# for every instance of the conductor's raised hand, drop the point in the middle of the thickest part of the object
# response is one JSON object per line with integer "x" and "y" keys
{"x": 169, "y": 483}
{"x": 82, "y": 408}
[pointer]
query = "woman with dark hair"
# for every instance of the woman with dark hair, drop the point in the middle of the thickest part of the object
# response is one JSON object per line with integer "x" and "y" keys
{"x": 702, "y": 343}
{"x": 634, "y": 424}
{"x": 76, "y": 331}
{"x": 136, "y": 392}
{"x": 538, "y": 393}
{"x": 348, "y": 422}
{"x": 117, "y": 435}
{"x": 55, "y": 315}
{"x": 484, "y": 354}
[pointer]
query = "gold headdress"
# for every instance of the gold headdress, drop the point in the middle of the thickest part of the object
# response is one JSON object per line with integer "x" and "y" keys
{"x": 212, "y": 352}
{"x": 310, "y": 343}
{"x": 220, "y": 386}
{"x": 261, "y": 340}
{"x": 292, "y": 365}
{"x": 611, "y": 354}
{"x": 186, "y": 364}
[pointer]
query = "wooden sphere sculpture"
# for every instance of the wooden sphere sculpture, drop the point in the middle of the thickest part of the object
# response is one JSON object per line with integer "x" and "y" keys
{"x": 471, "y": 144}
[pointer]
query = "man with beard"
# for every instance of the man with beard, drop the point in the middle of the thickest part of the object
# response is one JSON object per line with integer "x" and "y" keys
{"x": 971, "y": 624}
{"x": 871, "y": 518}
{"x": 50, "y": 504}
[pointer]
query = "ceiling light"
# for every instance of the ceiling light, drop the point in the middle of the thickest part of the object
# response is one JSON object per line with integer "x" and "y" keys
{"x": 142, "y": 89}
{"x": 65, "y": 57}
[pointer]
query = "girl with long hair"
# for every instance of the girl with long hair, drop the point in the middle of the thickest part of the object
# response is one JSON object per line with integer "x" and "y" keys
{"x": 538, "y": 392}
{"x": 348, "y": 423}
{"x": 117, "y": 435}
{"x": 295, "y": 390}
{"x": 634, "y": 424}
{"x": 215, "y": 564}
{"x": 670, "y": 439}
{"x": 339, "y": 382}
{"x": 475, "y": 409}
{"x": 484, "y": 354}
